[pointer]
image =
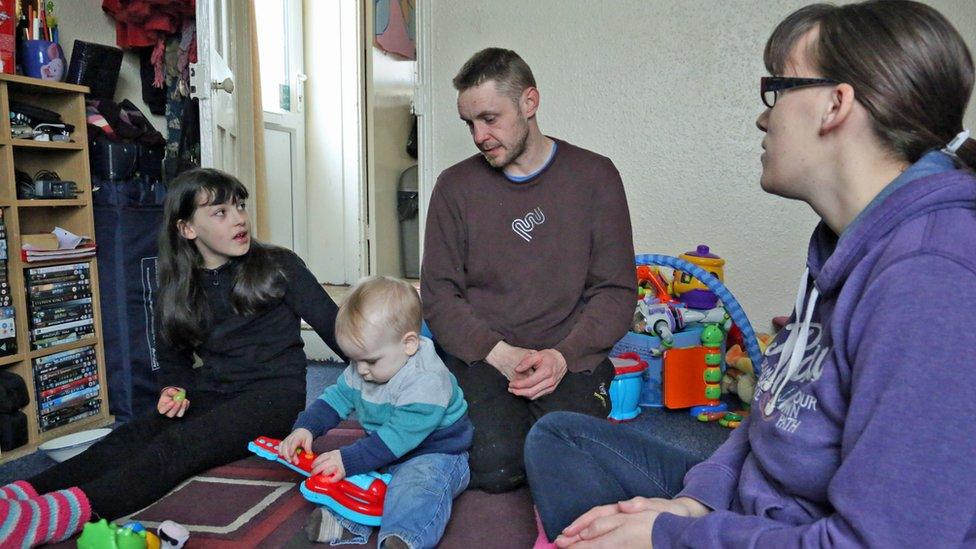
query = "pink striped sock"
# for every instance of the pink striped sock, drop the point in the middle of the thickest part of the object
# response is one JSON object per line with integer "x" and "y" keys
{"x": 45, "y": 519}
{"x": 19, "y": 489}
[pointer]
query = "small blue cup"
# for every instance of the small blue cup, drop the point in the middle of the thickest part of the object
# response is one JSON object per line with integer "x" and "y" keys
{"x": 42, "y": 59}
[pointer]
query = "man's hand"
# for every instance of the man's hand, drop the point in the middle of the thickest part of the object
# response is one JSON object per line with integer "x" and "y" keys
{"x": 330, "y": 465}
{"x": 544, "y": 370}
{"x": 172, "y": 402}
{"x": 505, "y": 358}
{"x": 298, "y": 439}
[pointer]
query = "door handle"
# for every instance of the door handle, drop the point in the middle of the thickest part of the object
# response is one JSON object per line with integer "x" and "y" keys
{"x": 227, "y": 85}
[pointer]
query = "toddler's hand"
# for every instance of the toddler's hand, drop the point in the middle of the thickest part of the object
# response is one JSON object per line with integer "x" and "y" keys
{"x": 330, "y": 465}
{"x": 172, "y": 402}
{"x": 299, "y": 438}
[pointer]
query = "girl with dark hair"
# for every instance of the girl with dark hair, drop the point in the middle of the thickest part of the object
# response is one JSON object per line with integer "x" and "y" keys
{"x": 860, "y": 430}
{"x": 231, "y": 366}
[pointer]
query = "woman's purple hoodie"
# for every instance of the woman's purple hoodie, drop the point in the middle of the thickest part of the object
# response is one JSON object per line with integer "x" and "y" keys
{"x": 863, "y": 428}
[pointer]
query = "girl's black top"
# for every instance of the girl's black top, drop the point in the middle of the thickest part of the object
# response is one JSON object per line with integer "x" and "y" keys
{"x": 259, "y": 351}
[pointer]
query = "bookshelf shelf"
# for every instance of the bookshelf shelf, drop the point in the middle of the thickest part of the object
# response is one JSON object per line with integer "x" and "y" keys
{"x": 4, "y": 361}
{"x": 84, "y": 342}
{"x": 46, "y": 145}
{"x": 70, "y": 161}
{"x": 51, "y": 203}
{"x": 30, "y": 85}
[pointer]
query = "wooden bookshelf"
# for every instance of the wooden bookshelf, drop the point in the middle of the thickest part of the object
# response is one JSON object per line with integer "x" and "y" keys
{"x": 70, "y": 161}
{"x": 47, "y": 145}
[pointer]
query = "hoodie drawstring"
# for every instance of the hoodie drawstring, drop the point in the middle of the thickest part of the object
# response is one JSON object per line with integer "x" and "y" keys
{"x": 796, "y": 342}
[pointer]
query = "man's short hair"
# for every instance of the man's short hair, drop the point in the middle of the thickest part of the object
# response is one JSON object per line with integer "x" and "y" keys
{"x": 389, "y": 303}
{"x": 510, "y": 72}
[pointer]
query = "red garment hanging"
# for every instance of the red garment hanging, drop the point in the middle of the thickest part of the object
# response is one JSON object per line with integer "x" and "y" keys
{"x": 145, "y": 23}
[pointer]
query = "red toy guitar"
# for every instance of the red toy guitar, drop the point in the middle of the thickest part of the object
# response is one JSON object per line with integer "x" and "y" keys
{"x": 358, "y": 497}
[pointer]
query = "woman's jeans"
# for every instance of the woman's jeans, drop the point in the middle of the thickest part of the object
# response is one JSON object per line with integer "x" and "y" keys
{"x": 576, "y": 462}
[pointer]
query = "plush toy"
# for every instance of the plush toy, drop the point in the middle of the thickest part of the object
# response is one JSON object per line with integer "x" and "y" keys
{"x": 740, "y": 376}
{"x": 172, "y": 535}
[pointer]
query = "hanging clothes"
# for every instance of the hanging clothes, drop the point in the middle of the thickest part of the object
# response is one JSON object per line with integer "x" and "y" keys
{"x": 147, "y": 23}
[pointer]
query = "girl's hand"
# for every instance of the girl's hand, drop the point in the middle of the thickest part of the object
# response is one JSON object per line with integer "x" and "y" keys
{"x": 172, "y": 402}
{"x": 330, "y": 465}
{"x": 298, "y": 439}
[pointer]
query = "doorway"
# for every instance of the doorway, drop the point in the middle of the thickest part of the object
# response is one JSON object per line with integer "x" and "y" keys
{"x": 338, "y": 114}
{"x": 281, "y": 50}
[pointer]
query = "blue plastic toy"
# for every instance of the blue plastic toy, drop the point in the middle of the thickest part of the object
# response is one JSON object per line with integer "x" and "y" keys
{"x": 358, "y": 498}
{"x": 362, "y": 503}
{"x": 625, "y": 389}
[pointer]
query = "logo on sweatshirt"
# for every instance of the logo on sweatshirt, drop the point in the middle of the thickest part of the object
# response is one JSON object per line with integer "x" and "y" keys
{"x": 524, "y": 225}
{"x": 787, "y": 396}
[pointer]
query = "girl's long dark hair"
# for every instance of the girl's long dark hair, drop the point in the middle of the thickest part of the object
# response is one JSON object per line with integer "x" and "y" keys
{"x": 184, "y": 310}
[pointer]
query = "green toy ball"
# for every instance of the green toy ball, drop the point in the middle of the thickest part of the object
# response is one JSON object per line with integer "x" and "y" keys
{"x": 712, "y": 336}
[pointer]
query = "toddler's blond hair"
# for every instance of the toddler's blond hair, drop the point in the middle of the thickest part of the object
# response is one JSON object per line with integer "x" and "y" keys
{"x": 384, "y": 301}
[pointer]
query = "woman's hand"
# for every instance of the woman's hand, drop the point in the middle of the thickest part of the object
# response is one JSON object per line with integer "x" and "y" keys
{"x": 172, "y": 402}
{"x": 683, "y": 506}
{"x": 627, "y": 522}
{"x": 330, "y": 465}
{"x": 299, "y": 438}
{"x": 586, "y": 519}
{"x": 614, "y": 530}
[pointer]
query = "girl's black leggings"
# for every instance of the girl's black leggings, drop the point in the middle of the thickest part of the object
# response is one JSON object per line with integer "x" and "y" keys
{"x": 141, "y": 461}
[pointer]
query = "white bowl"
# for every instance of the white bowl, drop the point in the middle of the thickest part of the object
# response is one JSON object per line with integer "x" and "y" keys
{"x": 69, "y": 446}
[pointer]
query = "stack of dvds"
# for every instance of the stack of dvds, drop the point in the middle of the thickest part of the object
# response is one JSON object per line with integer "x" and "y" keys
{"x": 59, "y": 300}
{"x": 8, "y": 328}
{"x": 67, "y": 387}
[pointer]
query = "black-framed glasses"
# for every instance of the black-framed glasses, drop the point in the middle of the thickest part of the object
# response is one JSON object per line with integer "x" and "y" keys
{"x": 771, "y": 86}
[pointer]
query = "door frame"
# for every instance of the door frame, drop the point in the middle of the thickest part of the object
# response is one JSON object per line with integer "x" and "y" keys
{"x": 422, "y": 108}
{"x": 352, "y": 78}
{"x": 284, "y": 122}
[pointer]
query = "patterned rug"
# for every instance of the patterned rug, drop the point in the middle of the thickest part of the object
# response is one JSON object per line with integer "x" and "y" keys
{"x": 249, "y": 503}
{"x": 256, "y": 503}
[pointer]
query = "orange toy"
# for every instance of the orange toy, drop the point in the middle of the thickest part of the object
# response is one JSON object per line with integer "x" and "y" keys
{"x": 690, "y": 376}
{"x": 648, "y": 278}
{"x": 683, "y": 378}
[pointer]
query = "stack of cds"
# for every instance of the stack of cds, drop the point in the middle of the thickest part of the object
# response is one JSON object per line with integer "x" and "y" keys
{"x": 67, "y": 387}
{"x": 59, "y": 300}
{"x": 8, "y": 328}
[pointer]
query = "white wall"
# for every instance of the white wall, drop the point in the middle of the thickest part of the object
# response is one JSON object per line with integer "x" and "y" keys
{"x": 670, "y": 91}
{"x": 85, "y": 20}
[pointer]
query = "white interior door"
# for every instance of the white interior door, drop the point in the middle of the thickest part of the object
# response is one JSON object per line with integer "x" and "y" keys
{"x": 280, "y": 46}
{"x": 336, "y": 137}
{"x": 213, "y": 83}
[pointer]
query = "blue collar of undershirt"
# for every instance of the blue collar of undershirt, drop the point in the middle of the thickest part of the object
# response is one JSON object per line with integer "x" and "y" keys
{"x": 524, "y": 178}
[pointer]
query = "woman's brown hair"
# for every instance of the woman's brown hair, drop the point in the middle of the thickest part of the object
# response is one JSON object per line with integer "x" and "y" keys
{"x": 908, "y": 65}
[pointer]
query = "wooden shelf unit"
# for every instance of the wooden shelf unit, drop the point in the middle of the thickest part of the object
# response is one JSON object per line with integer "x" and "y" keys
{"x": 70, "y": 161}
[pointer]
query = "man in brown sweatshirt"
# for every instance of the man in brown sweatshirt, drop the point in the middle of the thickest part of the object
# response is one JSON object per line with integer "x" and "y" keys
{"x": 528, "y": 272}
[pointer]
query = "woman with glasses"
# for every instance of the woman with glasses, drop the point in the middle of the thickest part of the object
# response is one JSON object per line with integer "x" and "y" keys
{"x": 861, "y": 427}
